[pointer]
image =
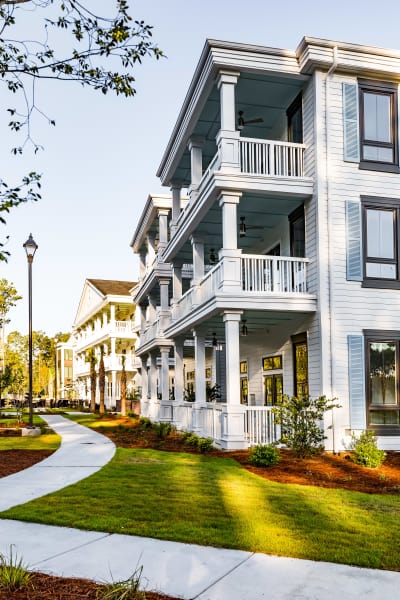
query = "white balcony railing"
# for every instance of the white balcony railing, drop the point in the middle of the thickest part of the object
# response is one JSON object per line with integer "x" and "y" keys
{"x": 259, "y": 425}
{"x": 210, "y": 284}
{"x": 273, "y": 158}
{"x": 274, "y": 274}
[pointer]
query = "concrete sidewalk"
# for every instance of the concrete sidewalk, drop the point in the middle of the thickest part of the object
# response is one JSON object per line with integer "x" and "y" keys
{"x": 182, "y": 570}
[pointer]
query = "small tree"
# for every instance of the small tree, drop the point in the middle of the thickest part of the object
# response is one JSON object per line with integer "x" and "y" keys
{"x": 301, "y": 420}
{"x": 102, "y": 380}
{"x": 123, "y": 387}
{"x": 8, "y": 299}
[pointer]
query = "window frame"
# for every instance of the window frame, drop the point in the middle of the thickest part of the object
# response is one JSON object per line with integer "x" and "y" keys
{"x": 299, "y": 340}
{"x": 384, "y": 88}
{"x": 377, "y": 203}
{"x": 383, "y": 336}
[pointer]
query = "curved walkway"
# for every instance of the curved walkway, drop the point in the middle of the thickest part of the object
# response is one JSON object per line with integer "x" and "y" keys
{"x": 183, "y": 570}
{"x": 82, "y": 452}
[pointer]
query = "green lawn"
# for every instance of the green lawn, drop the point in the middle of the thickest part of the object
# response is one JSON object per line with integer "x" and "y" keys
{"x": 46, "y": 441}
{"x": 214, "y": 501}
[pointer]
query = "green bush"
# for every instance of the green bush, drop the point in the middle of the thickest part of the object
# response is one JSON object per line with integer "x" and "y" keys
{"x": 145, "y": 423}
{"x": 264, "y": 455}
{"x": 13, "y": 573}
{"x": 162, "y": 429}
{"x": 366, "y": 451}
{"x": 301, "y": 421}
{"x": 205, "y": 444}
{"x": 192, "y": 440}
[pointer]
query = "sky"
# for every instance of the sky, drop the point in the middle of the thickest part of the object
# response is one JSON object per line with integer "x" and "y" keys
{"x": 99, "y": 162}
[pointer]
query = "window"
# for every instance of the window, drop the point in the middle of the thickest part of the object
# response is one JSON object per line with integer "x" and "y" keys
{"x": 378, "y": 126}
{"x": 295, "y": 121}
{"x": 297, "y": 233}
{"x": 272, "y": 362}
{"x": 300, "y": 365}
{"x": 382, "y": 385}
{"x": 380, "y": 235}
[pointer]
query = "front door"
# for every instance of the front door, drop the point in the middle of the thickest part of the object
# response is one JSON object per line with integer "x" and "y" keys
{"x": 273, "y": 389}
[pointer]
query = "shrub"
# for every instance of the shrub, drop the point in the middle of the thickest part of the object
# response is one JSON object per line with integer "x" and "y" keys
{"x": 366, "y": 451}
{"x": 264, "y": 455}
{"x": 205, "y": 444}
{"x": 301, "y": 422}
{"x": 13, "y": 574}
{"x": 128, "y": 589}
{"x": 162, "y": 429}
{"x": 192, "y": 439}
{"x": 145, "y": 423}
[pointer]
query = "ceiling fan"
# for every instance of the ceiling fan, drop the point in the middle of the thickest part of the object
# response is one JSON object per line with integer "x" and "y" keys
{"x": 243, "y": 228}
{"x": 242, "y": 122}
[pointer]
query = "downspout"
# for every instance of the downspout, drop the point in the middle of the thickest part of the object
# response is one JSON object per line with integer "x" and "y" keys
{"x": 332, "y": 69}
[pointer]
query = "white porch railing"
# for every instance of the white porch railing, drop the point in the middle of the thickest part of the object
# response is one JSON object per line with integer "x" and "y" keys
{"x": 211, "y": 421}
{"x": 184, "y": 304}
{"x": 124, "y": 327}
{"x": 267, "y": 157}
{"x": 259, "y": 425}
{"x": 210, "y": 283}
{"x": 274, "y": 274}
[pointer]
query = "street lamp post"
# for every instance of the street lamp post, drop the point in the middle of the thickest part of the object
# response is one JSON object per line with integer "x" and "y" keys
{"x": 55, "y": 371}
{"x": 30, "y": 249}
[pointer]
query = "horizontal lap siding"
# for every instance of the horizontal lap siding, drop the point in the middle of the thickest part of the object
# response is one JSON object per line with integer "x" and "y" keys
{"x": 355, "y": 308}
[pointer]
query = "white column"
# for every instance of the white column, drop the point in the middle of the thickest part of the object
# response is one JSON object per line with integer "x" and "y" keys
{"x": 163, "y": 230}
{"x": 143, "y": 318}
{"x": 228, "y": 137}
{"x": 164, "y": 294}
{"x": 112, "y": 316}
{"x": 151, "y": 250}
{"x": 200, "y": 368}
{"x": 153, "y": 377}
{"x": 144, "y": 378}
{"x": 228, "y": 202}
{"x": 196, "y": 163}
{"x": 176, "y": 285}
{"x": 104, "y": 319}
{"x": 142, "y": 264}
{"x": 232, "y": 321}
{"x": 113, "y": 388}
{"x": 176, "y": 206}
{"x": 164, "y": 351}
{"x": 231, "y": 276}
{"x": 178, "y": 374}
{"x": 198, "y": 259}
{"x": 233, "y": 434}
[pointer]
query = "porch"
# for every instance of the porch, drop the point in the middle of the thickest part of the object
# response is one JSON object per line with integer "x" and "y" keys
{"x": 255, "y": 423}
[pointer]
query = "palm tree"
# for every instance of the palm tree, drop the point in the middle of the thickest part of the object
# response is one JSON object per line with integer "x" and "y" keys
{"x": 123, "y": 387}
{"x": 91, "y": 358}
{"x": 102, "y": 380}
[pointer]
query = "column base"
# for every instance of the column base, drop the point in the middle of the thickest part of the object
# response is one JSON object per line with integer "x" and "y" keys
{"x": 233, "y": 433}
{"x": 197, "y": 421}
{"x": 166, "y": 411}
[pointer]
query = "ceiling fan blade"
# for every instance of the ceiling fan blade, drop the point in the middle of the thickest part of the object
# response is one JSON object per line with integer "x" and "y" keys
{"x": 256, "y": 120}
{"x": 254, "y": 227}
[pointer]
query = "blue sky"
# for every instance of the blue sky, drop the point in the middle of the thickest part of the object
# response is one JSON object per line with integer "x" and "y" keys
{"x": 100, "y": 160}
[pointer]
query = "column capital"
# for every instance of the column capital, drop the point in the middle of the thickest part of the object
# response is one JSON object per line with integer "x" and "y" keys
{"x": 232, "y": 316}
{"x": 195, "y": 239}
{"x": 175, "y": 185}
{"x": 195, "y": 141}
{"x": 229, "y": 197}
{"x": 230, "y": 77}
{"x": 163, "y": 212}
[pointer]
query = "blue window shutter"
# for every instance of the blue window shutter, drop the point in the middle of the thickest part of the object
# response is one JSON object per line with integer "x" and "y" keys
{"x": 351, "y": 135}
{"x": 357, "y": 382}
{"x": 354, "y": 262}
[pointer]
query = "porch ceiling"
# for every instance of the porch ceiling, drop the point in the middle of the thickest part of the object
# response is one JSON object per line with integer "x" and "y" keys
{"x": 260, "y": 324}
{"x": 262, "y": 96}
{"x": 259, "y": 210}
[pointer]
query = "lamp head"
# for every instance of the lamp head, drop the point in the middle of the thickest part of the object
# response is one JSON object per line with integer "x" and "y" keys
{"x": 30, "y": 248}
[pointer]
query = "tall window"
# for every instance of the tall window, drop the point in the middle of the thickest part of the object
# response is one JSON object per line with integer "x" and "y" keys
{"x": 300, "y": 365}
{"x": 378, "y": 125}
{"x": 380, "y": 234}
{"x": 382, "y": 356}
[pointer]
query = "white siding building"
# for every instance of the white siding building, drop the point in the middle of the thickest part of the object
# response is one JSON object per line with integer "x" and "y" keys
{"x": 105, "y": 321}
{"x": 280, "y": 271}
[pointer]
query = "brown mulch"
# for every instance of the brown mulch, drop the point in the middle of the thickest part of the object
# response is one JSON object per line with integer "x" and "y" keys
{"x": 325, "y": 470}
{"x": 48, "y": 587}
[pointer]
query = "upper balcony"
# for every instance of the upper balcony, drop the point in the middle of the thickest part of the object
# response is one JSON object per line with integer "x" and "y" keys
{"x": 243, "y": 282}
{"x": 116, "y": 329}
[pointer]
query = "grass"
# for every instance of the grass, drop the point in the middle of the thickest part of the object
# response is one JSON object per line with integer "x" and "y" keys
{"x": 213, "y": 501}
{"x": 46, "y": 441}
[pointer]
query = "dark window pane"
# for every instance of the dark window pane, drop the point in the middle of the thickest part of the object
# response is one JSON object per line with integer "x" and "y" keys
{"x": 301, "y": 369}
{"x": 382, "y": 373}
{"x": 384, "y": 417}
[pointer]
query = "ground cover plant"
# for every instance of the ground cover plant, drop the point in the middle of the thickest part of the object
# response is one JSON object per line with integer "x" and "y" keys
{"x": 212, "y": 500}
{"x": 366, "y": 451}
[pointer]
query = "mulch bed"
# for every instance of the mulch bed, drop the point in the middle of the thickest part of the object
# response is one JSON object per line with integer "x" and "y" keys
{"x": 12, "y": 461}
{"x": 47, "y": 587}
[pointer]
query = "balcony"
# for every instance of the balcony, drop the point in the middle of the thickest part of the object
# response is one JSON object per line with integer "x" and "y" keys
{"x": 120, "y": 329}
{"x": 248, "y": 280}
